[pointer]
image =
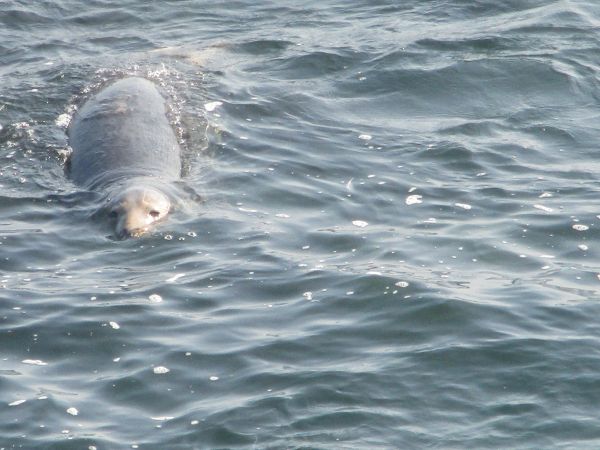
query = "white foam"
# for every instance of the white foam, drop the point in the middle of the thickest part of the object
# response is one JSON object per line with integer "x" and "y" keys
{"x": 160, "y": 370}
{"x": 155, "y": 298}
{"x": 414, "y": 199}
{"x": 211, "y": 106}
{"x": 35, "y": 362}
{"x": 360, "y": 223}
{"x": 73, "y": 411}
{"x": 175, "y": 277}
{"x": 17, "y": 402}
{"x": 463, "y": 205}
{"x": 63, "y": 120}
{"x": 114, "y": 325}
{"x": 580, "y": 227}
{"x": 543, "y": 208}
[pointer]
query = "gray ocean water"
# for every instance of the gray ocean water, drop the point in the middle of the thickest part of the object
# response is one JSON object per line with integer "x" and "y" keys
{"x": 396, "y": 244}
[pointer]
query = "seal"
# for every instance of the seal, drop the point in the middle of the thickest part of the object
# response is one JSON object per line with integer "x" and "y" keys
{"x": 123, "y": 144}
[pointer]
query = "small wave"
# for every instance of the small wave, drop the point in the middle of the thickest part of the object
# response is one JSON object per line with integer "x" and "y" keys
{"x": 262, "y": 47}
{"x": 105, "y": 17}
{"x": 312, "y": 65}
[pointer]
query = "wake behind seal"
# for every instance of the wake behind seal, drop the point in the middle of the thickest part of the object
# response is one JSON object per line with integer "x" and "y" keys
{"x": 123, "y": 144}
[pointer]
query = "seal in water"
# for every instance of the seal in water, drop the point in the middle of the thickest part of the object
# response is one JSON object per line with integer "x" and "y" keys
{"x": 122, "y": 143}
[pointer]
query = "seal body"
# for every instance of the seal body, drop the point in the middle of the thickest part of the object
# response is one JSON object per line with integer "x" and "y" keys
{"x": 123, "y": 143}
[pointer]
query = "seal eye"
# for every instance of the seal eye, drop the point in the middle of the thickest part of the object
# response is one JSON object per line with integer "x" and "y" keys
{"x": 113, "y": 214}
{"x": 154, "y": 213}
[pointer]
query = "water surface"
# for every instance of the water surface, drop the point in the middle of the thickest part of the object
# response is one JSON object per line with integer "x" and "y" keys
{"x": 396, "y": 245}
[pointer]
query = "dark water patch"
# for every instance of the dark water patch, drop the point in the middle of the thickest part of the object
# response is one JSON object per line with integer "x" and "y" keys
{"x": 263, "y": 47}
{"x": 106, "y": 17}
{"x": 483, "y": 129}
{"x": 21, "y": 18}
{"x": 453, "y": 156}
{"x": 475, "y": 45}
{"x": 315, "y": 64}
{"x": 122, "y": 42}
{"x": 485, "y": 8}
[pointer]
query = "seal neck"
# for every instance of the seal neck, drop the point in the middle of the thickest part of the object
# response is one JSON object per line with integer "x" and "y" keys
{"x": 124, "y": 177}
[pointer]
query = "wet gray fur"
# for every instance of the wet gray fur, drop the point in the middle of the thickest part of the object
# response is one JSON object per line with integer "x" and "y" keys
{"x": 123, "y": 132}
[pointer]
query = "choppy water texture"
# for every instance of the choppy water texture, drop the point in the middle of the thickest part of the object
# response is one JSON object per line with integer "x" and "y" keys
{"x": 396, "y": 247}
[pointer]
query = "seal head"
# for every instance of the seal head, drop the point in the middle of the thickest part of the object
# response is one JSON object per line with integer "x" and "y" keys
{"x": 136, "y": 209}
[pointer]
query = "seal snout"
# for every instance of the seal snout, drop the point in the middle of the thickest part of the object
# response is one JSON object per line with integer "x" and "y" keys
{"x": 136, "y": 209}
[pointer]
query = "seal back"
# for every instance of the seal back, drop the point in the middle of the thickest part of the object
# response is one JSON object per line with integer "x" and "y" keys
{"x": 123, "y": 132}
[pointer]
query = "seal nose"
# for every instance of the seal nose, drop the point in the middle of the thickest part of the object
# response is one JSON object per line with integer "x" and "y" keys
{"x": 134, "y": 233}
{"x": 131, "y": 226}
